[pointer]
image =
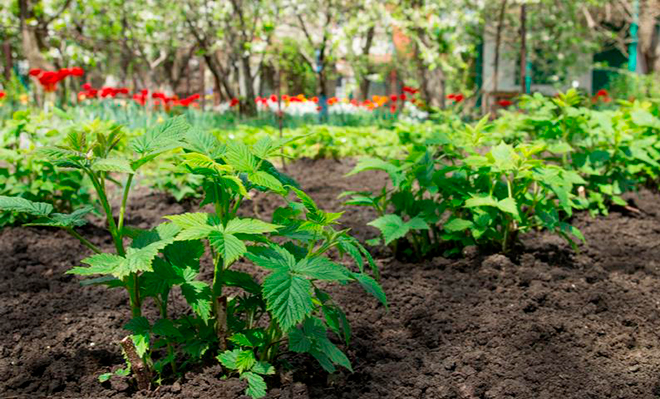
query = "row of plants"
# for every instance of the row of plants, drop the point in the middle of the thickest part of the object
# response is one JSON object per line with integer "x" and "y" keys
{"x": 459, "y": 184}
{"x": 26, "y": 174}
{"x": 485, "y": 184}
{"x": 244, "y": 332}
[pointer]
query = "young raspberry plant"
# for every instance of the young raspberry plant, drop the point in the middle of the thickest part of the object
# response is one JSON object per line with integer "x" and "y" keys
{"x": 242, "y": 321}
{"x": 250, "y": 327}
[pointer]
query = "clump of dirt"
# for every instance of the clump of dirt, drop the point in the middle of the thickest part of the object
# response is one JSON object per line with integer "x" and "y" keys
{"x": 549, "y": 323}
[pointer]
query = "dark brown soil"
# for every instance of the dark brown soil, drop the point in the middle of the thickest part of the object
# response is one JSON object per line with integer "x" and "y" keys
{"x": 548, "y": 324}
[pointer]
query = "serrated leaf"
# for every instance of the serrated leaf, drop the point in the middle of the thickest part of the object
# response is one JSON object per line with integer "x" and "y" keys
{"x": 241, "y": 339}
{"x": 201, "y": 141}
{"x": 336, "y": 319}
{"x": 198, "y": 296}
{"x": 140, "y": 260}
{"x": 99, "y": 264}
{"x": 306, "y": 200}
{"x": 236, "y": 185}
{"x": 263, "y": 368}
{"x": 372, "y": 287}
{"x": 233, "y": 278}
{"x": 509, "y": 206}
{"x": 229, "y": 246}
{"x": 21, "y": 205}
{"x": 393, "y": 227}
{"x": 166, "y": 136}
{"x": 298, "y": 341}
{"x": 256, "y": 385}
{"x": 263, "y": 179}
{"x": 166, "y": 328}
{"x": 228, "y": 358}
{"x": 456, "y": 225}
{"x": 188, "y": 220}
{"x": 238, "y": 155}
{"x": 503, "y": 156}
{"x": 64, "y": 220}
{"x": 249, "y": 226}
{"x": 323, "y": 360}
{"x": 275, "y": 258}
{"x": 195, "y": 226}
{"x": 288, "y": 298}
{"x": 320, "y": 268}
{"x": 200, "y": 161}
{"x": 378, "y": 164}
{"x": 262, "y": 147}
{"x": 121, "y": 165}
{"x": 245, "y": 360}
{"x": 485, "y": 200}
{"x": 138, "y": 325}
{"x": 335, "y": 355}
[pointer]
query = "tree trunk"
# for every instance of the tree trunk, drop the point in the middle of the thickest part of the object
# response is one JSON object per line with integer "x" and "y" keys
{"x": 249, "y": 107}
{"x": 29, "y": 39}
{"x": 498, "y": 40}
{"x": 219, "y": 76}
{"x": 8, "y": 59}
{"x": 365, "y": 83}
{"x": 523, "y": 49}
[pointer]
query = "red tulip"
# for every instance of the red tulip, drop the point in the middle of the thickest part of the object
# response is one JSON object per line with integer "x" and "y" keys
{"x": 87, "y": 86}
{"x": 315, "y": 100}
{"x": 144, "y": 92}
{"x": 403, "y": 97}
{"x": 458, "y": 98}
{"x": 234, "y": 102}
{"x": 393, "y": 97}
{"x": 393, "y": 108}
{"x": 602, "y": 93}
{"x": 2, "y": 95}
{"x": 451, "y": 96}
{"x": 77, "y": 71}
{"x": 35, "y": 72}
{"x": 273, "y": 98}
{"x": 504, "y": 103}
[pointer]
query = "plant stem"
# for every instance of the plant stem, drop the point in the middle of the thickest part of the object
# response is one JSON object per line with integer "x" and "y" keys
{"x": 136, "y": 306}
{"x": 122, "y": 210}
{"x": 83, "y": 240}
{"x": 112, "y": 227}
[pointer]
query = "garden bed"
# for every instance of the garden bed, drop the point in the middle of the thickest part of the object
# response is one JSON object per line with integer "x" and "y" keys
{"x": 547, "y": 324}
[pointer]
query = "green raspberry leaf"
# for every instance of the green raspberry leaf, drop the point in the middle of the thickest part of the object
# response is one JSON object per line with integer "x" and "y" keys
{"x": 288, "y": 298}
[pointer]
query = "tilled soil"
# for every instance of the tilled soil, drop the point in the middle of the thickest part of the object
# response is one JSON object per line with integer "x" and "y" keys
{"x": 546, "y": 324}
